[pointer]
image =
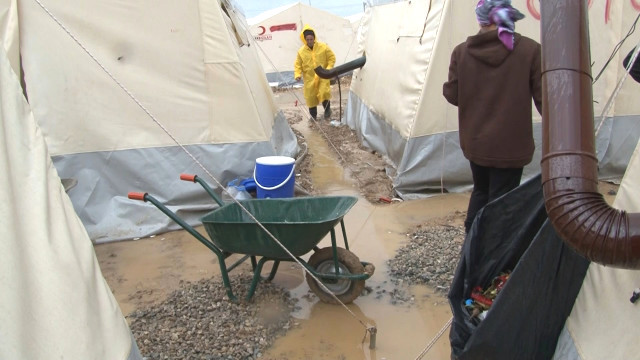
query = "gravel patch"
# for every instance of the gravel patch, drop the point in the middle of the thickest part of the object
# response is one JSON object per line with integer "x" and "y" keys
{"x": 430, "y": 257}
{"x": 198, "y": 321}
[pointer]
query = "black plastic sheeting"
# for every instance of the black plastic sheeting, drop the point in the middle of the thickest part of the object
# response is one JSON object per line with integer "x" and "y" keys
{"x": 525, "y": 320}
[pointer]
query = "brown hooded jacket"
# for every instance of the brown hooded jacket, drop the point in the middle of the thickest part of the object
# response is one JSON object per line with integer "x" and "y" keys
{"x": 493, "y": 88}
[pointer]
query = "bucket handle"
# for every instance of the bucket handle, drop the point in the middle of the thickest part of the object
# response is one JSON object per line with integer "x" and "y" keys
{"x": 293, "y": 168}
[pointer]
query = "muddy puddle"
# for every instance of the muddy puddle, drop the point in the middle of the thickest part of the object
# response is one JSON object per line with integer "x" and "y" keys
{"x": 374, "y": 233}
{"x": 145, "y": 271}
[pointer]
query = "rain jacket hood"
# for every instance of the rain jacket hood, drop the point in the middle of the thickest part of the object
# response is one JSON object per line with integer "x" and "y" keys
{"x": 488, "y": 48}
{"x": 305, "y": 28}
{"x": 316, "y": 90}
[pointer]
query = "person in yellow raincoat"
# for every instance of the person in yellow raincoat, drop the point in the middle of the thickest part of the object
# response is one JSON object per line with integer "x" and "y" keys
{"x": 311, "y": 55}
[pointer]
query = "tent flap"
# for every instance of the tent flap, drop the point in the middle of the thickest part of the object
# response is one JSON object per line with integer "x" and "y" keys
{"x": 54, "y": 302}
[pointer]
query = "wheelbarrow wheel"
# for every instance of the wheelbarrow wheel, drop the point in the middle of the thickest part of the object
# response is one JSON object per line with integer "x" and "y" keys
{"x": 348, "y": 263}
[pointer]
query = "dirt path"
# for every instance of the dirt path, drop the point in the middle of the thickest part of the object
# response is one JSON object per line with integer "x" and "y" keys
{"x": 365, "y": 166}
{"x": 146, "y": 273}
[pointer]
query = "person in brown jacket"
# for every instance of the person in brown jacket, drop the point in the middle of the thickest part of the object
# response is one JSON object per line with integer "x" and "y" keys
{"x": 493, "y": 76}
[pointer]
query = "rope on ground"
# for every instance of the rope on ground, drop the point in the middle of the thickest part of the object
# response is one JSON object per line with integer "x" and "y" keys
{"x": 368, "y": 328}
{"x": 428, "y": 347}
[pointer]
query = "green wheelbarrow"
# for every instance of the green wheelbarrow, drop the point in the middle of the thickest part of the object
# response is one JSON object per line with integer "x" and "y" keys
{"x": 298, "y": 223}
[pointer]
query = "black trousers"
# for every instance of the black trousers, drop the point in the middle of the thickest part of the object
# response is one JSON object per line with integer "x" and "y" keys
{"x": 489, "y": 184}
{"x": 326, "y": 105}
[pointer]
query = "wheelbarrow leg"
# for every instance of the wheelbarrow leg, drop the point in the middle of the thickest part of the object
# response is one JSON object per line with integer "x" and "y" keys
{"x": 253, "y": 263}
{"x": 334, "y": 247}
{"x": 256, "y": 277}
{"x": 219, "y": 253}
{"x": 274, "y": 269}
{"x": 225, "y": 279}
{"x": 344, "y": 234}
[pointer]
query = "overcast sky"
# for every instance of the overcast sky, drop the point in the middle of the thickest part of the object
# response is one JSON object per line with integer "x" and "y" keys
{"x": 343, "y": 8}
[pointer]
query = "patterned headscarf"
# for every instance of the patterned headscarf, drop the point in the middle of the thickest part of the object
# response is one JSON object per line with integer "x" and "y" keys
{"x": 501, "y": 13}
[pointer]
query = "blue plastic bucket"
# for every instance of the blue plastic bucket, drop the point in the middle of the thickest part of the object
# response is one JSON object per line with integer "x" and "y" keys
{"x": 274, "y": 177}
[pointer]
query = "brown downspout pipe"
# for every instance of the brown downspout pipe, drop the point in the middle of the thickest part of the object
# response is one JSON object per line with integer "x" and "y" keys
{"x": 576, "y": 209}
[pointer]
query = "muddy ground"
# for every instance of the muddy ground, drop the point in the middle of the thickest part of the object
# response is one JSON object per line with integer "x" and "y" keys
{"x": 169, "y": 287}
{"x": 366, "y": 167}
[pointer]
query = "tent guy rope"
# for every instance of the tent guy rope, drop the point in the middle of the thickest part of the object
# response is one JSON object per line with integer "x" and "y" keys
{"x": 368, "y": 328}
{"x": 435, "y": 339}
{"x": 610, "y": 102}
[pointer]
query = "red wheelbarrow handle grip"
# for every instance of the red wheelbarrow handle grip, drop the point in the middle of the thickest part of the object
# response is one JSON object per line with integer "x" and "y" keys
{"x": 137, "y": 196}
{"x": 188, "y": 177}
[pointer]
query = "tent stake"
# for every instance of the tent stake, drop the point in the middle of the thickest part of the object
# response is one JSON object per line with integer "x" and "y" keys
{"x": 373, "y": 331}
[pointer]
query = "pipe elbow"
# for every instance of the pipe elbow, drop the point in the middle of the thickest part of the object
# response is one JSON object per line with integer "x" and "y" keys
{"x": 339, "y": 70}
{"x": 578, "y": 212}
{"x": 597, "y": 231}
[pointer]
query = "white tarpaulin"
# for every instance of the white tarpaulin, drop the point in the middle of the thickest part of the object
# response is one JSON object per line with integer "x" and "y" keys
{"x": 396, "y": 104}
{"x": 186, "y": 65}
{"x": 603, "y": 322}
{"x": 54, "y": 302}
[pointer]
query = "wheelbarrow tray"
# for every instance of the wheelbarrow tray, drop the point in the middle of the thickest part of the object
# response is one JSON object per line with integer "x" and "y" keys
{"x": 298, "y": 223}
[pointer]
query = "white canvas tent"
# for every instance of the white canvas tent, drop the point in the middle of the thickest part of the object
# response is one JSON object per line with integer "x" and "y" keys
{"x": 54, "y": 302}
{"x": 603, "y": 322}
{"x": 277, "y": 33}
{"x": 396, "y": 104}
{"x": 188, "y": 65}
{"x": 356, "y": 21}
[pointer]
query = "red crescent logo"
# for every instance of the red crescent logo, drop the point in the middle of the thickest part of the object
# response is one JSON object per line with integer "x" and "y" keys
{"x": 263, "y": 30}
{"x": 532, "y": 10}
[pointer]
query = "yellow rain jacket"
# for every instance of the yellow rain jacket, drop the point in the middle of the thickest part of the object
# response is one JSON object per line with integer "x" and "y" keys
{"x": 316, "y": 90}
